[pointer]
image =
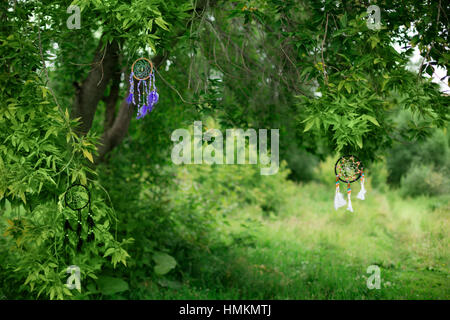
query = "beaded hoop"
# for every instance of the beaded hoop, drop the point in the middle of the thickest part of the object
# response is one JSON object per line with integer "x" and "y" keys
{"x": 142, "y": 69}
{"x": 348, "y": 168}
{"x": 77, "y": 197}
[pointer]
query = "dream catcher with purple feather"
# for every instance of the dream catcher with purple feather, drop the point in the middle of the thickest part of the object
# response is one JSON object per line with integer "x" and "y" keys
{"x": 144, "y": 96}
{"x": 77, "y": 198}
{"x": 348, "y": 169}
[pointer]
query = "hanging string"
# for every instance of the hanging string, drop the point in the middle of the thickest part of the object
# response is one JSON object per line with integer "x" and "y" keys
{"x": 339, "y": 200}
{"x": 91, "y": 224}
{"x": 139, "y": 97}
{"x": 145, "y": 92}
{"x": 349, "y": 192}
{"x": 67, "y": 227}
{"x": 139, "y": 93}
{"x": 80, "y": 241}
{"x": 130, "y": 98}
{"x": 362, "y": 192}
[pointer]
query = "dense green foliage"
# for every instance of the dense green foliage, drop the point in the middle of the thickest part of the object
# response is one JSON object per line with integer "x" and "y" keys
{"x": 312, "y": 69}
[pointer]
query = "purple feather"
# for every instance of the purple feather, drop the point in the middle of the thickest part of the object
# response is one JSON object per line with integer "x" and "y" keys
{"x": 143, "y": 111}
{"x": 153, "y": 97}
{"x": 130, "y": 98}
{"x": 150, "y": 98}
{"x": 140, "y": 113}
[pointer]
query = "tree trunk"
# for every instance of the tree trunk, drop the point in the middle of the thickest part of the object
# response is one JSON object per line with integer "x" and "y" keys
{"x": 91, "y": 91}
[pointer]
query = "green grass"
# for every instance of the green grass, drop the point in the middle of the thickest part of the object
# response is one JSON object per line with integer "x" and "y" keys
{"x": 310, "y": 251}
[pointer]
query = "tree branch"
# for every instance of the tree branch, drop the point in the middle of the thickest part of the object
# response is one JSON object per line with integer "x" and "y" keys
{"x": 91, "y": 90}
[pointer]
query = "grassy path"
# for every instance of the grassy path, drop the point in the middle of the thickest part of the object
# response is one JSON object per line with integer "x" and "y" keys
{"x": 310, "y": 251}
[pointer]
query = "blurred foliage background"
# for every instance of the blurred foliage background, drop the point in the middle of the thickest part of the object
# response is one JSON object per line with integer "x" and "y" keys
{"x": 313, "y": 70}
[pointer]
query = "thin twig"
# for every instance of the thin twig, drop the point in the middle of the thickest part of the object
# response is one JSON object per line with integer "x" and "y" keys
{"x": 94, "y": 64}
{"x": 293, "y": 64}
{"x": 181, "y": 97}
{"x": 335, "y": 24}
{"x": 101, "y": 63}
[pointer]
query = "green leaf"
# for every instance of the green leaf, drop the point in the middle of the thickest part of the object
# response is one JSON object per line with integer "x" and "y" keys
{"x": 92, "y": 275}
{"x": 44, "y": 91}
{"x": 359, "y": 141}
{"x": 348, "y": 86}
{"x": 52, "y": 293}
{"x": 109, "y": 285}
{"x": 309, "y": 124}
{"x": 40, "y": 187}
{"x": 109, "y": 252}
{"x": 372, "y": 119}
{"x": 88, "y": 155}
{"x": 151, "y": 44}
{"x": 67, "y": 291}
{"x": 150, "y": 24}
{"x": 164, "y": 263}
{"x": 161, "y": 23}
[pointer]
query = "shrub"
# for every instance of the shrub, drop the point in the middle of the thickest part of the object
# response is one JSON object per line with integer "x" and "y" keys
{"x": 40, "y": 157}
{"x": 433, "y": 151}
{"x": 424, "y": 180}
